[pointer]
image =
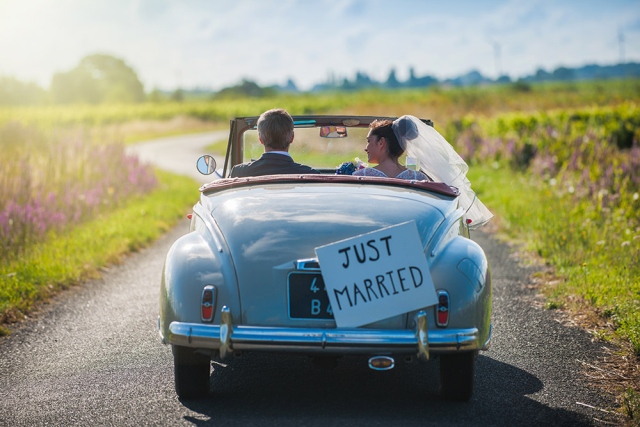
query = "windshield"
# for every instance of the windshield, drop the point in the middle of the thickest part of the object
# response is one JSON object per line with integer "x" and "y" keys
{"x": 310, "y": 148}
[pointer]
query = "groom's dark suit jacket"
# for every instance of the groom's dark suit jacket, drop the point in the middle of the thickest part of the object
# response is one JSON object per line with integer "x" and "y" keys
{"x": 270, "y": 164}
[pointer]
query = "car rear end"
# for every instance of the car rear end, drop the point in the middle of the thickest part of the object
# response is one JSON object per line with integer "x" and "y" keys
{"x": 246, "y": 277}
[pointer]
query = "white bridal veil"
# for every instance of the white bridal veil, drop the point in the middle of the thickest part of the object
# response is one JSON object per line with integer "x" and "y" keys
{"x": 437, "y": 158}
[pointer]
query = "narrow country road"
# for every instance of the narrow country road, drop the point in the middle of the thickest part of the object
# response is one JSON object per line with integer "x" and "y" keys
{"x": 93, "y": 357}
{"x": 178, "y": 154}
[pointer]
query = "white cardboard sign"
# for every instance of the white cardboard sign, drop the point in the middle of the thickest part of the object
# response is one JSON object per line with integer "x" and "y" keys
{"x": 376, "y": 275}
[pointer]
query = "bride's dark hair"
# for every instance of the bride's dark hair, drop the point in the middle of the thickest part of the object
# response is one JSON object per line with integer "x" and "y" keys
{"x": 383, "y": 129}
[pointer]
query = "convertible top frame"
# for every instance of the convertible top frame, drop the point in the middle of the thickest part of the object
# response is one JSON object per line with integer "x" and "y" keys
{"x": 239, "y": 125}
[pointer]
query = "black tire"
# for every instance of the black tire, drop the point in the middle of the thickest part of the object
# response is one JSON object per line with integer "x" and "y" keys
{"x": 456, "y": 375}
{"x": 191, "y": 372}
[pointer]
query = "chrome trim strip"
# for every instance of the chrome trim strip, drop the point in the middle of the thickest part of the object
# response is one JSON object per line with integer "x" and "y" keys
{"x": 442, "y": 231}
{"x": 488, "y": 343}
{"x": 225, "y": 334}
{"x": 316, "y": 340}
{"x": 199, "y": 210}
{"x": 309, "y": 264}
{"x": 422, "y": 335}
{"x": 162, "y": 340}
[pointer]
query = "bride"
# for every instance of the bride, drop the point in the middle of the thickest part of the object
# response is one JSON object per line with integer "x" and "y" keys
{"x": 435, "y": 156}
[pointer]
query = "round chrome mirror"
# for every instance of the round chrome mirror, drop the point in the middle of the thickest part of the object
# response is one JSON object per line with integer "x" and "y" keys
{"x": 206, "y": 164}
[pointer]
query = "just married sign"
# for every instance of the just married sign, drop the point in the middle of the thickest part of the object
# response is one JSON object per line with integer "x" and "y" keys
{"x": 376, "y": 275}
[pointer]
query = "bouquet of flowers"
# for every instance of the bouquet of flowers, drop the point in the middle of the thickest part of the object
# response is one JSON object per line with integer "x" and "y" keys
{"x": 348, "y": 168}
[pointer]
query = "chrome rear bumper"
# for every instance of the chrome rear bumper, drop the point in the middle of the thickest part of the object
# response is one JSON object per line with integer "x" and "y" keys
{"x": 226, "y": 338}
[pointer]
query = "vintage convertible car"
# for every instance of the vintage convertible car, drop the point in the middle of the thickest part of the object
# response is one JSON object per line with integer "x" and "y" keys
{"x": 259, "y": 269}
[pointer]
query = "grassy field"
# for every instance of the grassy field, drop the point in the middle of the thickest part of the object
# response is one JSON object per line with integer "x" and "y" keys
{"x": 558, "y": 164}
{"x": 589, "y": 266}
{"x": 565, "y": 186}
{"x": 439, "y": 104}
{"x": 73, "y": 255}
{"x": 585, "y": 166}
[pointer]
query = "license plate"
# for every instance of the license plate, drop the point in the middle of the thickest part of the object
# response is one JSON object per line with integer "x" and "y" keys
{"x": 307, "y": 297}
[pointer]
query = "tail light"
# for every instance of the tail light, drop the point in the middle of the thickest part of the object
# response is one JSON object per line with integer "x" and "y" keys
{"x": 442, "y": 309}
{"x": 208, "y": 303}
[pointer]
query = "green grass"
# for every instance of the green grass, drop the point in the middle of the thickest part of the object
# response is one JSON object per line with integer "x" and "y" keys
{"x": 218, "y": 147}
{"x": 438, "y": 103}
{"x": 70, "y": 257}
{"x": 153, "y": 131}
{"x": 594, "y": 253}
{"x": 631, "y": 406}
{"x": 594, "y": 256}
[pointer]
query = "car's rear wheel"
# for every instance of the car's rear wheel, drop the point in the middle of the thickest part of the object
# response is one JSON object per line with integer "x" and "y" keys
{"x": 191, "y": 372}
{"x": 456, "y": 375}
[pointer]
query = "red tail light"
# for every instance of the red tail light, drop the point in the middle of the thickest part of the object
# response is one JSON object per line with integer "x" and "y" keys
{"x": 208, "y": 304}
{"x": 442, "y": 309}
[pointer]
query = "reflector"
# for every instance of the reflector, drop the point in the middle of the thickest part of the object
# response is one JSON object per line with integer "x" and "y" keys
{"x": 381, "y": 363}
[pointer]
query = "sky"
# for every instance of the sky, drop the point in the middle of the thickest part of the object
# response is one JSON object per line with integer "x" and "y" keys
{"x": 214, "y": 44}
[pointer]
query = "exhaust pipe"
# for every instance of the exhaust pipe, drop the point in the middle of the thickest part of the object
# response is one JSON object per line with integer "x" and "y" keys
{"x": 381, "y": 363}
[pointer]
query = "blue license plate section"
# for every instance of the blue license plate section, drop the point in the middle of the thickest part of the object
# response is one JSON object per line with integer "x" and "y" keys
{"x": 307, "y": 297}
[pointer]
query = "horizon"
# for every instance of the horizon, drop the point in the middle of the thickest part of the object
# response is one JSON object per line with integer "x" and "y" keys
{"x": 382, "y": 81}
{"x": 209, "y": 44}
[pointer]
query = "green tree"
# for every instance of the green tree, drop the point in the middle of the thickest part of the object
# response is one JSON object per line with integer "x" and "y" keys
{"x": 15, "y": 92}
{"x": 97, "y": 79}
{"x": 177, "y": 95}
{"x": 246, "y": 88}
{"x": 156, "y": 96}
{"x": 392, "y": 80}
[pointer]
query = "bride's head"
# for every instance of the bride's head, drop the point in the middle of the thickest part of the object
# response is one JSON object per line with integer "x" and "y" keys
{"x": 382, "y": 142}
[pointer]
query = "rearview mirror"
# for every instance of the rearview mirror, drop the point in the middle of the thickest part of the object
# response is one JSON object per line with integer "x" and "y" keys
{"x": 333, "y": 132}
{"x": 206, "y": 165}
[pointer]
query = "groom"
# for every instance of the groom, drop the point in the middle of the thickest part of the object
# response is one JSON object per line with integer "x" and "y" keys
{"x": 275, "y": 131}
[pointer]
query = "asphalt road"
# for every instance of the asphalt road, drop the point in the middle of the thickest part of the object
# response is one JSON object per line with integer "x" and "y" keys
{"x": 178, "y": 154}
{"x": 93, "y": 357}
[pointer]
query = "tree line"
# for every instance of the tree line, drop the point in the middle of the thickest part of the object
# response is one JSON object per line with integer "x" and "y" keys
{"x": 99, "y": 79}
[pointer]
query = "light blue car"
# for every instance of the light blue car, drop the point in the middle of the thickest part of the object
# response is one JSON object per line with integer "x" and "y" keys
{"x": 247, "y": 277}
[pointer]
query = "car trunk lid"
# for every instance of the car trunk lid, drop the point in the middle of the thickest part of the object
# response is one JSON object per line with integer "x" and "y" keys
{"x": 272, "y": 232}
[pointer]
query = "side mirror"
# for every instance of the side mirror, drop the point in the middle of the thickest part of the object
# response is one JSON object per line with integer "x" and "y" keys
{"x": 333, "y": 132}
{"x": 206, "y": 164}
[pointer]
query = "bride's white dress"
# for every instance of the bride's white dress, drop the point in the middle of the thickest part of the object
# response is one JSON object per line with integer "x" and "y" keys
{"x": 407, "y": 174}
